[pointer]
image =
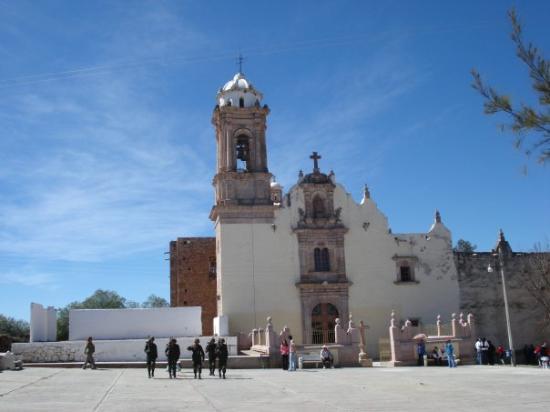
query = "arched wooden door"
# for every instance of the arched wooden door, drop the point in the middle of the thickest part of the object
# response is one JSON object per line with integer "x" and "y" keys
{"x": 323, "y": 321}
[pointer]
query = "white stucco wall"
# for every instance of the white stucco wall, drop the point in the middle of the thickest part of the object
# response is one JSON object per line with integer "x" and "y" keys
{"x": 258, "y": 268}
{"x": 373, "y": 271}
{"x": 43, "y": 326}
{"x": 134, "y": 323}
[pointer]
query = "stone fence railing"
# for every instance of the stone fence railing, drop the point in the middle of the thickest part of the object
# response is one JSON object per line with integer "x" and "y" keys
{"x": 404, "y": 341}
{"x": 349, "y": 343}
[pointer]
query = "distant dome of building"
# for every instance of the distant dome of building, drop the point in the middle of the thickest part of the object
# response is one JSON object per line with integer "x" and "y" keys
{"x": 239, "y": 92}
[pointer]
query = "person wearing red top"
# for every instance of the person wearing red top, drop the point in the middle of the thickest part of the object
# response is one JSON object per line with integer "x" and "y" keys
{"x": 500, "y": 354}
{"x": 284, "y": 354}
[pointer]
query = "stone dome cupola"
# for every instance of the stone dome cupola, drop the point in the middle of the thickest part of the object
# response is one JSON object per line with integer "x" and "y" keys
{"x": 239, "y": 92}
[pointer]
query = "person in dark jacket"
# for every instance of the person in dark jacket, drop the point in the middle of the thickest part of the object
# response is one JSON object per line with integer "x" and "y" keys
{"x": 152, "y": 355}
{"x": 491, "y": 352}
{"x": 89, "y": 351}
{"x": 197, "y": 357}
{"x": 211, "y": 350}
{"x": 172, "y": 354}
{"x": 221, "y": 353}
{"x": 421, "y": 351}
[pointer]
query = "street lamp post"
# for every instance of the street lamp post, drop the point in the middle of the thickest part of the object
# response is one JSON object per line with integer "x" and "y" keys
{"x": 505, "y": 295}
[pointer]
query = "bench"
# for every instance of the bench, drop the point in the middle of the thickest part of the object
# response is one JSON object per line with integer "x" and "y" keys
{"x": 431, "y": 361}
{"x": 309, "y": 358}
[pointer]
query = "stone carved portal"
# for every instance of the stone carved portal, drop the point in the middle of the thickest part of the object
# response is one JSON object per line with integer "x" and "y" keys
{"x": 323, "y": 321}
{"x": 323, "y": 284}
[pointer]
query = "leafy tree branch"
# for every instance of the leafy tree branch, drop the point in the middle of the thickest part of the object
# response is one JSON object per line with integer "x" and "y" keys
{"x": 525, "y": 119}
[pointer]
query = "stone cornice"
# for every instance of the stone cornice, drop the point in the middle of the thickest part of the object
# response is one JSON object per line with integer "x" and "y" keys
{"x": 242, "y": 213}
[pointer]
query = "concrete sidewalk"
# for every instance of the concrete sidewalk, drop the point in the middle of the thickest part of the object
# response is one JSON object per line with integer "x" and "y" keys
{"x": 467, "y": 388}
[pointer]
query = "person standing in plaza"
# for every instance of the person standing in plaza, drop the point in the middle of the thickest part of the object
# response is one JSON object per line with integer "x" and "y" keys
{"x": 484, "y": 351}
{"x": 491, "y": 351}
{"x": 222, "y": 355}
{"x": 292, "y": 357}
{"x": 500, "y": 352}
{"x": 89, "y": 351}
{"x": 421, "y": 351}
{"x": 284, "y": 354}
{"x": 151, "y": 353}
{"x": 211, "y": 350}
{"x": 197, "y": 357}
{"x": 450, "y": 351}
{"x": 478, "y": 351}
{"x": 172, "y": 354}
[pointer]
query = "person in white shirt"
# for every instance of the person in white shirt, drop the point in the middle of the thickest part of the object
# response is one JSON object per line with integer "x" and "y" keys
{"x": 478, "y": 351}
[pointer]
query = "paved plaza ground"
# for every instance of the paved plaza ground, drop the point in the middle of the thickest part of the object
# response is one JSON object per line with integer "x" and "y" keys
{"x": 467, "y": 388}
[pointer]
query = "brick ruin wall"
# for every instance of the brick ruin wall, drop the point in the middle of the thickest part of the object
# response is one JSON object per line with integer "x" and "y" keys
{"x": 193, "y": 276}
{"x": 481, "y": 294}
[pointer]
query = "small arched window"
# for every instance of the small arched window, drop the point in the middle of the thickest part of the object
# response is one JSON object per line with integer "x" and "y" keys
{"x": 318, "y": 207}
{"x": 241, "y": 102}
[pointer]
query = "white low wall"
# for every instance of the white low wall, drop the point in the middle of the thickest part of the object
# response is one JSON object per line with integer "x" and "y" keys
{"x": 112, "y": 324}
{"x": 43, "y": 323}
{"x": 129, "y": 350}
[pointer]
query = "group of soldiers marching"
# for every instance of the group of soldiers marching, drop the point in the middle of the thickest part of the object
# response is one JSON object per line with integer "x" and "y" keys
{"x": 216, "y": 351}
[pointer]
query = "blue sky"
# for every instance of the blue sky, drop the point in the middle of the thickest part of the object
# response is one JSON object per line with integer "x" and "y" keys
{"x": 107, "y": 152}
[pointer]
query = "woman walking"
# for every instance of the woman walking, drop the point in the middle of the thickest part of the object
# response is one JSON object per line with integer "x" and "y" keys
{"x": 284, "y": 354}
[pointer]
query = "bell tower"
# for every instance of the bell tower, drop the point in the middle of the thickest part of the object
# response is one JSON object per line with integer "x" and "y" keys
{"x": 242, "y": 180}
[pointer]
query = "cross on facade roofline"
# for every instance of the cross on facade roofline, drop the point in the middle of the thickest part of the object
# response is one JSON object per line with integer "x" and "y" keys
{"x": 315, "y": 158}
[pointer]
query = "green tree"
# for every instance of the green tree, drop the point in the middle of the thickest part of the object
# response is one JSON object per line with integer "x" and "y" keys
{"x": 464, "y": 246}
{"x": 154, "y": 301}
{"x": 17, "y": 330}
{"x": 525, "y": 120}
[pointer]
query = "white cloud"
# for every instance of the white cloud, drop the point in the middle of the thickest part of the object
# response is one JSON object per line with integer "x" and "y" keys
{"x": 89, "y": 171}
{"x": 28, "y": 279}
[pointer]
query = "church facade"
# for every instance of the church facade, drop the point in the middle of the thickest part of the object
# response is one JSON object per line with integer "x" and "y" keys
{"x": 311, "y": 255}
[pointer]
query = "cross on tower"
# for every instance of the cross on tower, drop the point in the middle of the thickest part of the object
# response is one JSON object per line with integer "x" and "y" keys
{"x": 240, "y": 60}
{"x": 315, "y": 158}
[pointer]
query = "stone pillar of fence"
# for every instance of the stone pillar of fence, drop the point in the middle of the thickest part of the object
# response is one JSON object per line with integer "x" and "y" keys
{"x": 471, "y": 326}
{"x": 394, "y": 339}
{"x": 340, "y": 336}
{"x": 453, "y": 325}
{"x": 352, "y": 332}
{"x": 261, "y": 337}
{"x": 255, "y": 337}
{"x": 270, "y": 338}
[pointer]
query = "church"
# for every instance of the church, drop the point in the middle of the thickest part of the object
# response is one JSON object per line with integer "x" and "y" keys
{"x": 307, "y": 256}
